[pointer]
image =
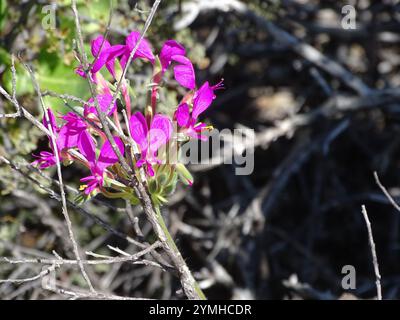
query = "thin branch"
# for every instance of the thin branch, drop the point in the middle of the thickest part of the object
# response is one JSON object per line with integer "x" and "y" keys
{"x": 60, "y": 179}
{"x": 109, "y": 260}
{"x": 14, "y": 81}
{"x": 102, "y": 116}
{"x": 13, "y": 99}
{"x": 89, "y": 215}
{"x": 42, "y": 274}
{"x": 63, "y": 96}
{"x": 385, "y": 192}
{"x": 373, "y": 252}
{"x": 142, "y": 34}
{"x": 303, "y": 49}
{"x": 105, "y": 35}
{"x": 25, "y": 113}
{"x": 90, "y": 295}
{"x": 79, "y": 209}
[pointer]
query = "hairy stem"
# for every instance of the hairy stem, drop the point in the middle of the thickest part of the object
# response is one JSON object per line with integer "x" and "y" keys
{"x": 182, "y": 264}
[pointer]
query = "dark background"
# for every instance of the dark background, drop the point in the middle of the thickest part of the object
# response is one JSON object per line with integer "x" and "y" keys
{"x": 283, "y": 232}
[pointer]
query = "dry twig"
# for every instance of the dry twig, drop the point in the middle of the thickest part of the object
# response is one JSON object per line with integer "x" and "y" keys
{"x": 373, "y": 252}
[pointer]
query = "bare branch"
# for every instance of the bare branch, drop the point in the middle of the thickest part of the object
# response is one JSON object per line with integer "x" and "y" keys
{"x": 42, "y": 274}
{"x": 12, "y": 99}
{"x": 373, "y": 252}
{"x": 109, "y": 260}
{"x": 385, "y": 192}
{"x": 142, "y": 34}
{"x": 60, "y": 179}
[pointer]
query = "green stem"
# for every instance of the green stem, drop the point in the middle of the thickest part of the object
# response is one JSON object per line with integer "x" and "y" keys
{"x": 173, "y": 246}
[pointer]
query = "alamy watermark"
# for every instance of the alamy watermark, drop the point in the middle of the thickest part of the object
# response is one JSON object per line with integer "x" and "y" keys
{"x": 233, "y": 147}
{"x": 49, "y": 279}
{"x": 349, "y": 19}
{"x": 349, "y": 278}
{"x": 49, "y": 16}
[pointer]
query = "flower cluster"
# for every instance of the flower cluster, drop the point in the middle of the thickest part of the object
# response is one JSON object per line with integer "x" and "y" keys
{"x": 80, "y": 137}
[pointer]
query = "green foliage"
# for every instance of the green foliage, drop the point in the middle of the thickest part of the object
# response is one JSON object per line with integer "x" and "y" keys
{"x": 60, "y": 78}
{"x": 163, "y": 184}
{"x": 51, "y": 50}
{"x": 3, "y": 12}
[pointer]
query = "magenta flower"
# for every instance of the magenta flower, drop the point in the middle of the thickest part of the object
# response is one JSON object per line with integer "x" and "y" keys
{"x": 107, "y": 157}
{"x": 79, "y": 71}
{"x": 201, "y": 102}
{"x": 183, "y": 70}
{"x": 149, "y": 141}
{"x": 93, "y": 181}
{"x": 47, "y": 159}
{"x": 142, "y": 52}
{"x": 82, "y": 139}
{"x": 70, "y": 132}
{"x": 104, "y": 102}
{"x": 105, "y": 57}
{"x": 53, "y": 123}
{"x": 169, "y": 49}
{"x": 74, "y": 126}
{"x": 109, "y": 53}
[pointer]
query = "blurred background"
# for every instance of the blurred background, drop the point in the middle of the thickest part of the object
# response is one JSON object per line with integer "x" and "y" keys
{"x": 318, "y": 84}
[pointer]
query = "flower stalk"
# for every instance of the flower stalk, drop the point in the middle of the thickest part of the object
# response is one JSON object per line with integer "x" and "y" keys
{"x": 169, "y": 241}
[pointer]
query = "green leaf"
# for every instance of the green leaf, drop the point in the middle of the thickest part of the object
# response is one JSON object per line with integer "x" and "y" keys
{"x": 56, "y": 76}
{"x": 24, "y": 84}
{"x": 153, "y": 186}
{"x": 81, "y": 198}
{"x": 3, "y": 12}
{"x": 184, "y": 174}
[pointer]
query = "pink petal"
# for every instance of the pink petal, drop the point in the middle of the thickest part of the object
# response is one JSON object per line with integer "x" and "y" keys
{"x": 138, "y": 129}
{"x": 107, "y": 57}
{"x": 45, "y": 160}
{"x": 160, "y": 131}
{"x": 88, "y": 178}
{"x": 69, "y": 134}
{"x": 68, "y": 138}
{"x": 87, "y": 147}
{"x": 52, "y": 121}
{"x": 79, "y": 71}
{"x": 107, "y": 155}
{"x": 100, "y": 62}
{"x": 97, "y": 43}
{"x": 90, "y": 188}
{"x": 182, "y": 115}
{"x": 89, "y": 108}
{"x": 150, "y": 169}
{"x": 202, "y": 99}
{"x": 169, "y": 49}
{"x": 184, "y": 72}
{"x": 202, "y": 137}
{"x": 105, "y": 101}
{"x": 110, "y": 65}
{"x": 144, "y": 49}
{"x": 74, "y": 121}
{"x": 140, "y": 162}
{"x": 93, "y": 181}
{"x": 113, "y": 53}
{"x": 124, "y": 58}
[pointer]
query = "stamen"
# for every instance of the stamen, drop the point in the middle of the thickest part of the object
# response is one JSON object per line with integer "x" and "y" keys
{"x": 219, "y": 85}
